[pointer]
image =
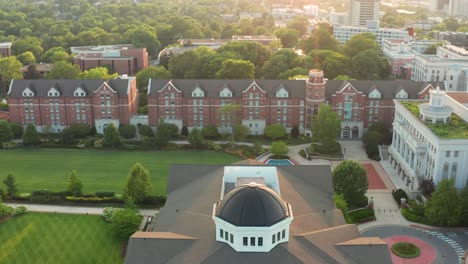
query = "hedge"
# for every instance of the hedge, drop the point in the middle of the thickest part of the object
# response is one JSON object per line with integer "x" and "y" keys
{"x": 362, "y": 215}
{"x": 398, "y": 194}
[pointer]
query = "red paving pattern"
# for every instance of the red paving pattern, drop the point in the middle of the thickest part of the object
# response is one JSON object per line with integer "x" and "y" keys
{"x": 375, "y": 182}
{"x": 428, "y": 254}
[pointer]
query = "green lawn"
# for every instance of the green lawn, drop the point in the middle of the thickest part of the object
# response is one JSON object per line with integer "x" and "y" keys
{"x": 99, "y": 170}
{"x": 58, "y": 238}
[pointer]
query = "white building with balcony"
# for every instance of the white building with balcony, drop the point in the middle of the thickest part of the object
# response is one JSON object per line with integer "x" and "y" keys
{"x": 430, "y": 139}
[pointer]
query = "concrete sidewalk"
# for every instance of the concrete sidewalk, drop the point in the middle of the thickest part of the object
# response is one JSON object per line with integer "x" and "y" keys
{"x": 73, "y": 209}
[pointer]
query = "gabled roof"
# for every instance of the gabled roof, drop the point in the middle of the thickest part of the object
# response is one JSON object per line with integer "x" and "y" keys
{"x": 212, "y": 88}
{"x": 66, "y": 87}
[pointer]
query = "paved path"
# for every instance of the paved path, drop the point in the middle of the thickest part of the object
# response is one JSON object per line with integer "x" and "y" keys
{"x": 353, "y": 150}
{"x": 73, "y": 209}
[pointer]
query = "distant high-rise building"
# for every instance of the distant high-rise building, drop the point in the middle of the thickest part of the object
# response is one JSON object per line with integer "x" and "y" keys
{"x": 441, "y": 5}
{"x": 458, "y": 8}
{"x": 363, "y": 10}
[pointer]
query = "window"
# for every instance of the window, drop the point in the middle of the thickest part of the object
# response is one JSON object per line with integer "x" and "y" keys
{"x": 232, "y": 238}
{"x": 455, "y": 154}
{"x": 221, "y": 233}
{"x": 226, "y": 236}
{"x": 283, "y": 234}
{"x": 447, "y": 154}
{"x": 260, "y": 241}
{"x": 278, "y": 236}
{"x": 245, "y": 241}
{"x": 273, "y": 237}
{"x": 252, "y": 241}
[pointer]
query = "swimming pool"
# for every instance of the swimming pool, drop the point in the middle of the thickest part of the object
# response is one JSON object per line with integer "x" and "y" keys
{"x": 276, "y": 162}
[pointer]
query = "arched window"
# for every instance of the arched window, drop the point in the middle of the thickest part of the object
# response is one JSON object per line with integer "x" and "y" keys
{"x": 453, "y": 172}
{"x": 445, "y": 171}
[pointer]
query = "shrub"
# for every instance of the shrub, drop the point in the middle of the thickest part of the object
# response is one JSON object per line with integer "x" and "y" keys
{"x": 210, "y": 132}
{"x": 5, "y": 210}
{"x": 105, "y": 194}
{"x": 108, "y": 212}
{"x": 213, "y": 146}
{"x": 9, "y": 145}
{"x": 147, "y": 143}
{"x": 398, "y": 194}
{"x": 20, "y": 210}
{"x": 413, "y": 215}
{"x": 302, "y": 153}
{"x": 145, "y": 131}
{"x": 125, "y": 222}
{"x": 23, "y": 196}
{"x": 427, "y": 187}
{"x": 98, "y": 144}
{"x": 279, "y": 148}
{"x": 17, "y": 130}
{"x": 127, "y": 131}
{"x": 47, "y": 199}
{"x": 406, "y": 250}
{"x": 154, "y": 200}
{"x": 362, "y": 215}
{"x": 295, "y": 132}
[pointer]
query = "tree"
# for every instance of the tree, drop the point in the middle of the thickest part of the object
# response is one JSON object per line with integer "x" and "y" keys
{"x": 63, "y": 70}
{"x": 47, "y": 56}
{"x": 195, "y": 138}
{"x": 288, "y": 37}
{"x": 184, "y": 132}
{"x": 152, "y": 72}
{"x": 17, "y": 130}
{"x": 371, "y": 140}
{"x": 275, "y": 131}
{"x": 6, "y": 133}
{"x": 127, "y": 131}
{"x": 231, "y": 112}
{"x": 32, "y": 73}
{"x": 279, "y": 148}
{"x": 75, "y": 186}
{"x": 10, "y": 183}
{"x": 251, "y": 51}
{"x": 138, "y": 185}
{"x": 295, "y": 132}
{"x": 236, "y": 69}
{"x": 162, "y": 135}
{"x": 143, "y": 36}
{"x": 10, "y": 68}
{"x": 369, "y": 65}
{"x": 60, "y": 56}
{"x": 26, "y": 58}
{"x": 326, "y": 125}
{"x": 111, "y": 136}
{"x": 445, "y": 206}
{"x": 350, "y": 179}
{"x": 240, "y": 132}
{"x": 145, "y": 131}
{"x": 31, "y": 136}
{"x": 427, "y": 187}
{"x": 359, "y": 43}
{"x": 32, "y": 44}
{"x": 125, "y": 222}
{"x": 210, "y": 132}
{"x": 464, "y": 201}
{"x": 341, "y": 204}
{"x": 98, "y": 73}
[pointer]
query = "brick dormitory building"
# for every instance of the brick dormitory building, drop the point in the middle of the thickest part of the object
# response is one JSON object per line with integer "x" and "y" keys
{"x": 56, "y": 104}
{"x": 197, "y": 103}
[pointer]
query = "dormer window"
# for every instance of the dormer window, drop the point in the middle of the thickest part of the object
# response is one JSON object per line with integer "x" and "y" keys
{"x": 226, "y": 93}
{"x": 282, "y": 93}
{"x": 401, "y": 95}
{"x": 53, "y": 92}
{"x": 375, "y": 94}
{"x": 198, "y": 93}
{"x": 79, "y": 92}
{"x": 28, "y": 93}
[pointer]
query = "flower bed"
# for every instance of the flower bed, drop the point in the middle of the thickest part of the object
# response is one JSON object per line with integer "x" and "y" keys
{"x": 406, "y": 250}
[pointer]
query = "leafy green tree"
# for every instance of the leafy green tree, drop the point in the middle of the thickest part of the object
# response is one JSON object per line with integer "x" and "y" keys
{"x": 98, "y": 73}
{"x": 26, "y": 58}
{"x": 295, "y": 132}
{"x": 343, "y": 78}
{"x": 127, "y": 131}
{"x": 289, "y": 37}
{"x": 145, "y": 131}
{"x": 152, "y": 72}
{"x": 125, "y": 222}
{"x": 335, "y": 65}
{"x": 321, "y": 39}
{"x": 341, "y": 204}
{"x": 299, "y": 24}
{"x": 32, "y": 44}
{"x": 10, "y": 183}
{"x": 210, "y": 132}
{"x": 240, "y": 132}
{"x": 359, "y": 43}
{"x": 445, "y": 206}
{"x": 326, "y": 126}
{"x": 371, "y": 140}
{"x": 75, "y": 186}
{"x": 162, "y": 135}
{"x": 17, "y": 130}
{"x": 143, "y": 36}
{"x": 232, "y": 113}
{"x": 31, "y": 136}
{"x": 138, "y": 185}
{"x": 10, "y": 68}
{"x": 350, "y": 179}
{"x": 47, "y": 56}
{"x": 464, "y": 201}
{"x": 111, "y": 136}
{"x": 6, "y": 134}
{"x": 251, "y": 51}
{"x": 279, "y": 148}
{"x": 63, "y": 70}
{"x": 60, "y": 56}
{"x": 195, "y": 138}
{"x": 275, "y": 131}
{"x": 184, "y": 132}
{"x": 236, "y": 69}
{"x": 369, "y": 65}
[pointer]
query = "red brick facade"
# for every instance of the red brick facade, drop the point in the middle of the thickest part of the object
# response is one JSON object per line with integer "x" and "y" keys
{"x": 196, "y": 103}
{"x": 56, "y": 104}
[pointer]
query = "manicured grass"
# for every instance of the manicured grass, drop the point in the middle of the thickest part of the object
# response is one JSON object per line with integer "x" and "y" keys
{"x": 99, "y": 170}
{"x": 406, "y": 250}
{"x": 457, "y": 128}
{"x": 58, "y": 238}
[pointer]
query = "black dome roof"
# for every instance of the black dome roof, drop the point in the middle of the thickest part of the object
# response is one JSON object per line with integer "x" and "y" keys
{"x": 252, "y": 205}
